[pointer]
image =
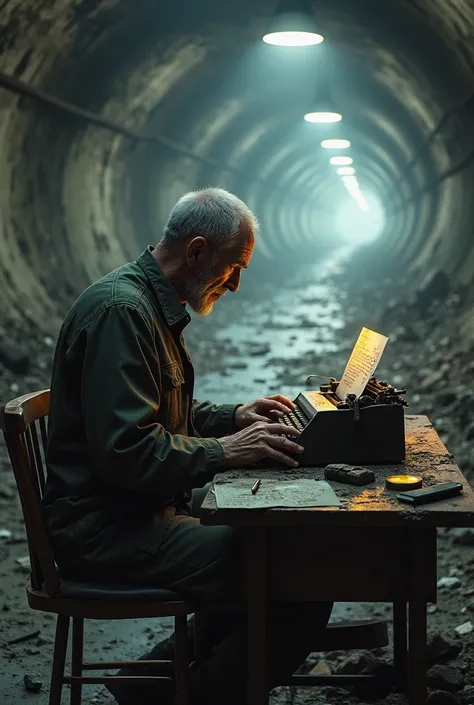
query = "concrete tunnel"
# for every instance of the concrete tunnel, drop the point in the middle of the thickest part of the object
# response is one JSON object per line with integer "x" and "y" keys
{"x": 111, "y": 110}
{"x": 78, "y": 199}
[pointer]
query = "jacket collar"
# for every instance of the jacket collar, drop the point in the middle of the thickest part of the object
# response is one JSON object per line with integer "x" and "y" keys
{"x": 173, "y": 309}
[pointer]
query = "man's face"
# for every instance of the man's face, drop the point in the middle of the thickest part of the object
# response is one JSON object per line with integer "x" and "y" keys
{"x": 212, "y": 276}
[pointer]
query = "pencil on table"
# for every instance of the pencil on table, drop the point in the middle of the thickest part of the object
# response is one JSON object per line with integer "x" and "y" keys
{"x": 256, "y": 486}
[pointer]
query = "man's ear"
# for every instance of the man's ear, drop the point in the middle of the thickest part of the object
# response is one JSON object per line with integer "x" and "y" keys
{"x": 196, "y": 248}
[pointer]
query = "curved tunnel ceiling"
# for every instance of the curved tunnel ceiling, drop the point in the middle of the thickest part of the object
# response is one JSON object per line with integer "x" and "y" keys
{"x": 77, "y": 200}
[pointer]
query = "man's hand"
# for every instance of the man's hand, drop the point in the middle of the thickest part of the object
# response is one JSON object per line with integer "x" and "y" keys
{"x": 263, "y": 409}
{"x": 258, "y": 441}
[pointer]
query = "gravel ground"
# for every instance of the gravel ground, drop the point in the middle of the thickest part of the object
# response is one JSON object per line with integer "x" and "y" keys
{"x": 246, "y": 349}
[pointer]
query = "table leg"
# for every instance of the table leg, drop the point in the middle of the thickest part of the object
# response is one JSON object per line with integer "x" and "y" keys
{"x": 417, "y": 657}
{"x": 400, "y": 650}
{"x": 257, "y": 615}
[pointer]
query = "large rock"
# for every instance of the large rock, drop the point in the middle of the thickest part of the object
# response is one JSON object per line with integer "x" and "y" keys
{"x": 441, "y": 648}
{"x": 445, "y": 678}
{"x": 365, "y": 663}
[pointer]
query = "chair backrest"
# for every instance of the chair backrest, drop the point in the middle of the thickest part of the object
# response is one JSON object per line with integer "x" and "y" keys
{"x": 23, "y": 422}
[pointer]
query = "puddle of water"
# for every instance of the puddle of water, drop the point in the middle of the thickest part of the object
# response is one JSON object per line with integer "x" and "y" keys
{"x": 301, "y": 320}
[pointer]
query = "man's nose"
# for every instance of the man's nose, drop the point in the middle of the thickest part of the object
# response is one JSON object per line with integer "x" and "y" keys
{"x": 234, "y": 281}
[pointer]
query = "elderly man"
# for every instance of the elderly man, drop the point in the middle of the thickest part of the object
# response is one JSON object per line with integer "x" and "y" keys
{"x": 128, "y": 443}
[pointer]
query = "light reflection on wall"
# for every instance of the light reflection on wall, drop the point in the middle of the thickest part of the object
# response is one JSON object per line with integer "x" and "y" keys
{"x": 358, "y": 226}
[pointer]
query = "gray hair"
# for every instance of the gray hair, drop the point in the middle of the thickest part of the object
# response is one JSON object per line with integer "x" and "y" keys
{"x": 213, "y": 213}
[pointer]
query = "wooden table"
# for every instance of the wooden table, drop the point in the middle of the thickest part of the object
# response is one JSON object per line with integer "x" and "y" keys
{"x": 372, "y": 549}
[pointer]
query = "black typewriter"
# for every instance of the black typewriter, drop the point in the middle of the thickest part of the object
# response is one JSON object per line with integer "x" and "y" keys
{"x": 369, "y": 429}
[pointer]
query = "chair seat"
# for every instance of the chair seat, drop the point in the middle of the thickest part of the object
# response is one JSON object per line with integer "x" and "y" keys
{"x": 73, "y": 589}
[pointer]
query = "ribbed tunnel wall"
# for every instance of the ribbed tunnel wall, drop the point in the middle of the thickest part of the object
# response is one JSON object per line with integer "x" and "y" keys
{"x": 76, "y": 199}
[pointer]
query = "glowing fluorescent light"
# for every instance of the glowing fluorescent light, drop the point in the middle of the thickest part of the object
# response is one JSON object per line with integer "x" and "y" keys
{"x": 349, "y": 180}
{"x": 293, "y": 39}
{"x": 322, "y": 117}
{"x": 341, "y": 161}
{"x": 345, "y": 171}
{"x": 361, "y": 201}
{"x": 335, "y": 144}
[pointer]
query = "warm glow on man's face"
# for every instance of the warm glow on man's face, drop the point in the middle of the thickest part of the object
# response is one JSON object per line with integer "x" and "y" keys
{"x": 220, "y": 275}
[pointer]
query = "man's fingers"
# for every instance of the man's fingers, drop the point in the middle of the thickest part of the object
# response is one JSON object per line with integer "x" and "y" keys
{"x": 285, "y": 443}
{"x": 282, "y": 429}
{"x": 282, "y": 399}
{"x": 276, "y": 406}
{"x": 256, "y": 417}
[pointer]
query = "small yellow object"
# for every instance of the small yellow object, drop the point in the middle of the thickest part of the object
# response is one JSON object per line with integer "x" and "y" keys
{"x": 403, "y": 482}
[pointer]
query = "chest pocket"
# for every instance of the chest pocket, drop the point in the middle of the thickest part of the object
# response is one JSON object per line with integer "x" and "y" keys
{"x": 173, "y": 408}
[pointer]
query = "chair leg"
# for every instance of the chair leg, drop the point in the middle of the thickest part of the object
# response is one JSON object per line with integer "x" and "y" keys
{"x": 181, "y": 660}
{"x": 201, "y": 650}
{"x": 77, "y": 659}
{"x": 59, "y": 660}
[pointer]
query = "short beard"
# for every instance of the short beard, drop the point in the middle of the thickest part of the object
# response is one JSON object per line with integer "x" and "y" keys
{"x": 196, "y": 295}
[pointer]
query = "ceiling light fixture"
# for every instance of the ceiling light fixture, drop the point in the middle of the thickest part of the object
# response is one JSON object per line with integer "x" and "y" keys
{"x": 323, "y": 117}
{"x": 345, "y": 171}
{"x": 324, "y": 108}
{"x": 293, "y": 25}
{"x": 293, "y": 39}
{"x": 335, "y": 144}
{"x": 341, "y": 161}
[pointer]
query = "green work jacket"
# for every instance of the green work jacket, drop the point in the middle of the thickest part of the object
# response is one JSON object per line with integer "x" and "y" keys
{"x": 126, "y": 439}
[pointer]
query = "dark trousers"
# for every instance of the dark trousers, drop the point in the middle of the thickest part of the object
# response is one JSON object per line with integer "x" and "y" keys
{"x": 203, "y": 563}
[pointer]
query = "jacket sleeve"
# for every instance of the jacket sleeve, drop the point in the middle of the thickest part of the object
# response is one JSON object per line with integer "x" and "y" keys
{"x": 214, "y": 420}
{"x": 120, "y": 397}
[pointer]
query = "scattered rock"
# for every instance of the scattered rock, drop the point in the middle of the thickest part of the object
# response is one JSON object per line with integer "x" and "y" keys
{"x": 32, "y": 683}
{"x": 23, "y": 564}
{"x": 463, "y": 629}
{"x": 468, "y": 695}
{"x": 258, "y": 349}
{"x": 366, "y": 663}
{"x": 449, "y": 582}
{"x": 463, "y": 536}
{"x": 443, "y": 677}
{"x": 441, "y": 648}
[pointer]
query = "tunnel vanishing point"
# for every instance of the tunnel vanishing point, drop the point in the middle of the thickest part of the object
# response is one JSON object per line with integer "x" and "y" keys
{"x": 111, "y": 109}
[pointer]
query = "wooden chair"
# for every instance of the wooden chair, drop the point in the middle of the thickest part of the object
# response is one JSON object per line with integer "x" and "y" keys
{"x": 23, "y": 422}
